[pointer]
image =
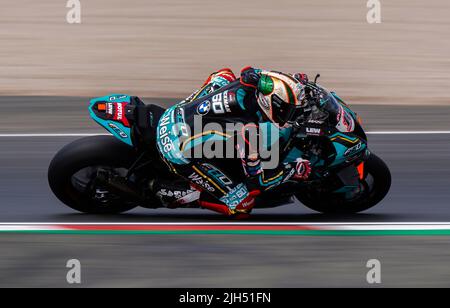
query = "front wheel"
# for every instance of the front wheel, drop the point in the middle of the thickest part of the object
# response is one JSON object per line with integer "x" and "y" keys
{"x": 374, "y": 187}
{"x": 73, "y": 170}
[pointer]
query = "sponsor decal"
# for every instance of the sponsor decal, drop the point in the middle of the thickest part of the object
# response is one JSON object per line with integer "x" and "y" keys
{"x": 110, "y": 108}
{"x": 204, "y": 108}
{"x": 181, "y": 129}
{"x": 226, "y": 102}
{"x": 313, "y": 131}
{"x": 115, "y": 112}
{"x": 317, "y": 122}
{"x": 221, "y": 81}
{"x": 290, "y": 175}
{"x": 231, "y": 96}
{"x": 197, "y": 179}
{"x": 248, "y": 203}
{"x": 217, "y": 174}
{"x": 353, "y": 150}
{"x": 164, "y": 133}
{"x": 235, "y": 196}
{"x": 174, "y": 193}
{"x": 117, "y": 130}
{"x": 114, "y": 98}
{"x": 189, "y": 198}
{"x": 179, "y": 115}
{"x": 119, "y": 112}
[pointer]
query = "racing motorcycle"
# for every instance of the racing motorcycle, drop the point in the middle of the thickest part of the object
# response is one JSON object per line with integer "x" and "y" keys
{"x": 110, "y": 174}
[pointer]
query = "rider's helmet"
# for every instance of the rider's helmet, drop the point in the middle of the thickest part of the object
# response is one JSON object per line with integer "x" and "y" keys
{"x": 281, "y": 97}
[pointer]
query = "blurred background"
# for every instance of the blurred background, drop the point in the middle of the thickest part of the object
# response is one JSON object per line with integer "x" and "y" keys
{"x": 395, "y": 74}
{"x": 160, "y": 48}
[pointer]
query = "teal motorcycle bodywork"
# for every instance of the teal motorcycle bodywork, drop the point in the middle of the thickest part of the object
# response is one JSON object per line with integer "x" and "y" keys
{"x": 113, "y": 118}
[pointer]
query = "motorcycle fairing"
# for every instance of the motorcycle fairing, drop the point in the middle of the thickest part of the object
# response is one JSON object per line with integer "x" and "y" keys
{"x": 109, "y": 112}
{"x": 167, "y": 137}
{"x": 346, "y": 147}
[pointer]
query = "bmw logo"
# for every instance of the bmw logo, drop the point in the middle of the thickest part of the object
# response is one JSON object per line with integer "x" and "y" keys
{"x": 204, "y": 108}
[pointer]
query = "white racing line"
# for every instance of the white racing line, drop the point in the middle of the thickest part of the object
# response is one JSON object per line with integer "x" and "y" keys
{"x": 429, "y": 132}
{"x": 441, "y": 227}
{"x": 442, "y": 223}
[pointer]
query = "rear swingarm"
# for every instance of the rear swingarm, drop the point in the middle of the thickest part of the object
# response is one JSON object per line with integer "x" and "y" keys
{"x": 118, "y": 184}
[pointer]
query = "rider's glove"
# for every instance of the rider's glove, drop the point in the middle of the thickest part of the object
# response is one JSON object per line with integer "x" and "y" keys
{"x": 302, "y": 170}
{"x": 302, "y": 77}
{"x": 250, "y": 77}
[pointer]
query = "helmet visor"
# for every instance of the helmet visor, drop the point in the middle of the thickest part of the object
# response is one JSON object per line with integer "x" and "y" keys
{"x": 284, "y": 112}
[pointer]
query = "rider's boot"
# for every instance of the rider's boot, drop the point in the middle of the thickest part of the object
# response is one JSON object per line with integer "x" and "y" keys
{"x": 174, "y": 194}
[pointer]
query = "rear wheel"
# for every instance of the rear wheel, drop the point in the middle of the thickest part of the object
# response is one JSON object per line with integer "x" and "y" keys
{"x": 73, "y": 171}
{"x": 373, "y": 189}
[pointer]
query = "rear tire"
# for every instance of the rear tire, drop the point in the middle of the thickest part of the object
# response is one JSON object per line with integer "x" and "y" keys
{"x": 332, "y": 203}
{"x": 87, "y": 154}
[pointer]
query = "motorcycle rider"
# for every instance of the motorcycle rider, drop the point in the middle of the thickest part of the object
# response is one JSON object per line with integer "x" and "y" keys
{"x": 258, "y": 96}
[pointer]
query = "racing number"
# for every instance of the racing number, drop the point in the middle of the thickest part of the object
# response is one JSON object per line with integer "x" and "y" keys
{"x": 217, "y": 104}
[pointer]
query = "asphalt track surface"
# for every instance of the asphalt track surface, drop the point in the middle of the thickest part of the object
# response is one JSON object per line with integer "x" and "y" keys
{"x": 202, "y": 261}
{"x": 420, "y": 193}
{"x": 420, "y": 166}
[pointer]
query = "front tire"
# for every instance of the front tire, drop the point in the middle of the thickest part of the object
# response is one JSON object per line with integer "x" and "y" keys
{"x": 376, "y": 171}
{"x": 73, "y": 169}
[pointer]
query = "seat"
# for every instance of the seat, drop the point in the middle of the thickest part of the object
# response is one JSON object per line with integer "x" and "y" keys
{"x": 144, "y": 120}
{"x": 153, "y": 113}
